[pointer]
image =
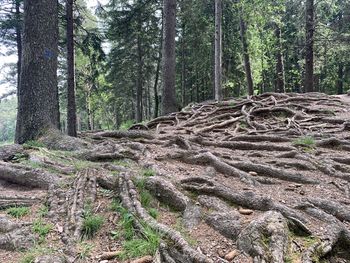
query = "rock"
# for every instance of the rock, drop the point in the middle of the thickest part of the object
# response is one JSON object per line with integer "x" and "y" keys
{"x": 253, "y": 173}
{"x": 245, "y": 211}
{"x": 231, "y": 255}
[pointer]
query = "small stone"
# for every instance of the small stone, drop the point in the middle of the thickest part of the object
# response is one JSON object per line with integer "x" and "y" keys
{"x": 245, "y": 211}
{"x": 253, "y": 173}
{"x": 104, "y": 261}
{"x": 302, "y": 192}
{"x": 230, "y": 256}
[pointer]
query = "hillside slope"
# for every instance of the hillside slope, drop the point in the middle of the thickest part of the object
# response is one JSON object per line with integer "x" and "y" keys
{"x": 263, "y": 179}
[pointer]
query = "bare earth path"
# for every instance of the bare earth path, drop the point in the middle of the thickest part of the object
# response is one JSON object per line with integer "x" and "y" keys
{"x": 263, "y": 179}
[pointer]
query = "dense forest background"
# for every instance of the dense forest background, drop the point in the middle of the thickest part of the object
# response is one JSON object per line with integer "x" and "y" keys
{"x": 118, "y": 54}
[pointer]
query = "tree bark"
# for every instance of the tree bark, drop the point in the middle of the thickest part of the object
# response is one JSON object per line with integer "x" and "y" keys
{"x": 218, "y": 50}
{"x": 280, "y": 79}
{"x": 169, "y": 94}
{"x": 340, "y": 81}
{"x": 139, "y": 82}
{"x": 38, "y": 108}
{"x": 71, "y": 105}
{"x": 248, "y": 70}
{"x": 309, "y": 46}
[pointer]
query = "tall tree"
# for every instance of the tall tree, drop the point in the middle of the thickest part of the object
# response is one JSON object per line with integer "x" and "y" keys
{"x": 309, "y": 46}
{"x": 169, "y": 61}
{"x": 38, "y": 108}
{"x": 71, "y": 105}
{"x": 246, "y": 57}
{"x": 218, "y": 50}
{"x": 280, "y": 83}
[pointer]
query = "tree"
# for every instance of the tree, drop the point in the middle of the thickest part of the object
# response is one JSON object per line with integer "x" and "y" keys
{"x": 218, "y": 50}
{"x": 280, "y": 83}
{"x": 38, "y": 108}
{"x": 11, "y": 28}
{"x": 71, "y": 105}
{"x": 246, "y": 57}
{"x": 169, "y": 95}
{"x": 309, "y": 46}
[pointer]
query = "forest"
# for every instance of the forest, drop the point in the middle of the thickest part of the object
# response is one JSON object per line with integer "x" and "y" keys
{"x": 175, "y": 131}
{"x": 118, "y": 54}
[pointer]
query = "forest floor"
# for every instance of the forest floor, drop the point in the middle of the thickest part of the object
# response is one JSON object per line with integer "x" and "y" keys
{"x": 260, "y": 179}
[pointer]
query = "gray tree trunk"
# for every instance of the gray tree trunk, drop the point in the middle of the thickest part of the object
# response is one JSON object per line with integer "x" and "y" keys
{"x": 280, "y": 79}
{"x": 169, "y": 95}
{"x": 139, "y": 81}
{"x": 71, "y": 105}
{"x": 38, "y": 108}
{"x": 248, "y": 70}
{"x": 309, "y": 46}
{"x": 218, "y": 50}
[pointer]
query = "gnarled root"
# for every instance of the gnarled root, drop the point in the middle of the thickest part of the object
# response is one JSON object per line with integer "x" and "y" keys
{"x": 266, "y": 238}
{"x": 129, "y": 197}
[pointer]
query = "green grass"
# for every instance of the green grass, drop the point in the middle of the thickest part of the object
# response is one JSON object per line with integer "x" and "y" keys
{"x": 148, "y": 172}
{"x": 153, "y": 213}
{"x": 126, "y": 223}
{"x": 43, "y": 211}
{"x": 41, "y": 228}
{"x": 306, "y": 141}
{"x": 146, "y": 244}
{"x": 18, "y": 212}
{"x": 30, "y": 255}
{"x": 33, "y": 145}
{"x": 84, "y": 250}
{"x": 123, "y": 163}
{"x": 91, "y": 224}
{"x": 126, "y": 125}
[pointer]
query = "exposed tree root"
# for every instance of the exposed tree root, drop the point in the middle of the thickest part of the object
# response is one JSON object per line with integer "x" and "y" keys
{"x": 266, "y": 238}
{"x": 22, "y": 175}
{"x": 15, "y": 236}
{"x": 129, "y": 199}
{"x": 7, "y": 201}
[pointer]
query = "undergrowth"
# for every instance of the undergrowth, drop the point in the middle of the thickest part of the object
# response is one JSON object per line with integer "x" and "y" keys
{"x": 18, "y": 212}
{"x": 91, "y": 224}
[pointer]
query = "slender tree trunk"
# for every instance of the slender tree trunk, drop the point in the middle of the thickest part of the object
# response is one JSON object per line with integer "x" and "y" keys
{"x": 309, "y": 46}
{"x": 18, "y": 42}
{"x": 218, "y": 50}
{"x": 156, "y": 81}
{"x": 71, "y": 105}
{"x": 340, "y": 81}
{"x": 169, "y": 94}
{"x": 183, "y": 67}
{"x": 280, "y": 79}
{"x": 38, "y": 109}
{"x": 248, "y": 70}
{"x": 139, "y": 84}
{"x": 89, "y": 111}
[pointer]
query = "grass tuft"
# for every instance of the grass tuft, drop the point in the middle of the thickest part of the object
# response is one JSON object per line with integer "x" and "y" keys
{"x": 306, "y": 141}
{"x": 91, "y": 224}
{"x": 18, "y": 212}
{"x": 41, "y": 228}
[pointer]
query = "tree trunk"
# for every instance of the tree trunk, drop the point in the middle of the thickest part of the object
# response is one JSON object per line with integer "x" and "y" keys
{"x": 38, "y": 108}
{"x": 248, "y": 70}
{"x": 280, "y": 80}
{"x": 18, "y": 42}
{"x": 169, "y": 94}
{"x": 218, "y": 50}
{"x": 139, "y": 82}
{"x": 309, "y": 46}
{"x": 183, "y": 67}
{"x": 71, "y": 106}
{"x": 340, "y": 81}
